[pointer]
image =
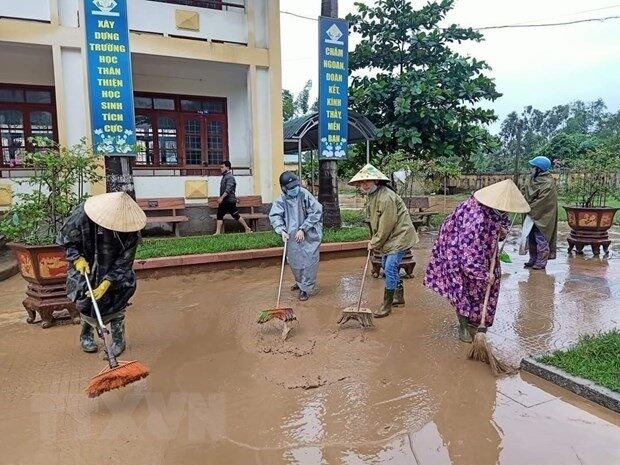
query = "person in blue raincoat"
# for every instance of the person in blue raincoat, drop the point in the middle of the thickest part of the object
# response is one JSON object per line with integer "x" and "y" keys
{"x": 298, "y": 217}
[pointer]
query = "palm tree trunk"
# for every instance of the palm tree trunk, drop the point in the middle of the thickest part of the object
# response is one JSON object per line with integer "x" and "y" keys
{"x": 328, "y": 169}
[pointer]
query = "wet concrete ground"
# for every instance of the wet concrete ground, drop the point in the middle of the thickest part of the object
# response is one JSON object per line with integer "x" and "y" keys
{"x": 223, "y": 391}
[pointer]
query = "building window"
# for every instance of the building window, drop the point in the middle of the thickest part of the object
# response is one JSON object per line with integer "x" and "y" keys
{"x": 212, "y": 4}
{"x": 25, "y": 111}
{"x": 180, "y": 131}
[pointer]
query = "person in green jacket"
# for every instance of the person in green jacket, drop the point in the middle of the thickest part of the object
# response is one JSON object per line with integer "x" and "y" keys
{"x": 542, "y": 195}
{"x": 391, "y": 229}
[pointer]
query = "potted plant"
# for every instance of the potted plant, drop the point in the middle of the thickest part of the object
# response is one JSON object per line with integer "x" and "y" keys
{"x": 589, "y": 186}
{"x": 55, "y": 187}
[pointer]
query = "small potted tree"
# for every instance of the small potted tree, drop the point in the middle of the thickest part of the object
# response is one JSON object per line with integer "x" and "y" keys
{"x": 56, "y": 186}
{"x": 589, "y": 187}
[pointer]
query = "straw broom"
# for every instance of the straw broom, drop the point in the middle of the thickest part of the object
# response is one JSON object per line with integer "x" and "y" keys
{"x": 481, "y": 349}
{"x": 117, "y": 374}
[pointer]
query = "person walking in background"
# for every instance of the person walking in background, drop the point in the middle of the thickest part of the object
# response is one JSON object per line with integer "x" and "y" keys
{"x": 391, "y": 229}
{"x": 227, "y": 203}
{"x": 298, "y": 217}
{"x": 542, "y": 196}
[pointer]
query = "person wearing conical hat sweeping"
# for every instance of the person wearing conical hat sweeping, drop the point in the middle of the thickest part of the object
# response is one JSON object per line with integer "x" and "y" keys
{"x": 542, "y": 195}
{"x": 460, "y": 263}
{"x": 392, "y": 232}
{"x": 100, "y": 238}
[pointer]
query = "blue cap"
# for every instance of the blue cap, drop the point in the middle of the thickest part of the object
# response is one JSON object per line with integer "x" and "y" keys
{"x": 540, "y": 162}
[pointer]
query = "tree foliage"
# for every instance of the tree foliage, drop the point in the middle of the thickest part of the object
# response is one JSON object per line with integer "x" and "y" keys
{"x": 57, "y": 186}
{"x": 563, "y": 133}
{"x": 414, "y": 86}
{"x": 294, "y": 106}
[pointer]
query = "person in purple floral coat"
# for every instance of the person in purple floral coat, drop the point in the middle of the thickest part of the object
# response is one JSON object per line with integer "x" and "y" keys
{"x": 460, "y": 263}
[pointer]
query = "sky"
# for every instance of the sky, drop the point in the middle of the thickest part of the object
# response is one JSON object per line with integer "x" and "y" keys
{"x": 541, "y": 67}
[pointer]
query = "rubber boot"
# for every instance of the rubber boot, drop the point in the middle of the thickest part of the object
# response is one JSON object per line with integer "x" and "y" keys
{"x": 464, "y": 334}
{"x": 399, "y": 295}
{"x": 386, "y": 307}
{"x": 472, "y": 330}
{"x": 87, "y": 340}
{"x": 118, "y": 336}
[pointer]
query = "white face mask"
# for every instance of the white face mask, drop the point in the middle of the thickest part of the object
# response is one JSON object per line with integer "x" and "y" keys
{"x": 371, "y": 190}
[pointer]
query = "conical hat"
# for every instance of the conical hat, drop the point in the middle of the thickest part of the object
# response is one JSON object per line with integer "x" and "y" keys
{"x": 504, "y": 196}
{"x": 115, "y": 211}
{"x": 368, "y": 173}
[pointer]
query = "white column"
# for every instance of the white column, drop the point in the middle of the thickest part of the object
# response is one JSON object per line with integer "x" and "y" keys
{"x": 71, "y": 98}
{"x": 263, "y": 129}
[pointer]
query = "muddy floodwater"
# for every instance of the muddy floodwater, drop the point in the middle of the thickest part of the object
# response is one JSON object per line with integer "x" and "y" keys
{"x": 224, "y": 391}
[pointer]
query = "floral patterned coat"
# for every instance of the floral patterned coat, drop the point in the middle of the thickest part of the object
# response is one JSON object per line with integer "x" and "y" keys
{"x": 461, "y": 259}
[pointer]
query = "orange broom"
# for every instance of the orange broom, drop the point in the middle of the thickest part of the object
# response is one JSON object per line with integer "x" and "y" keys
{"x": 118, "y": 374}
{"x": 480, "y": 349}
{"x": 285, "y": 314}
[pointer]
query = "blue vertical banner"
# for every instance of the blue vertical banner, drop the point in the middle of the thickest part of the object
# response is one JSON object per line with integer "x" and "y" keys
{"x": 333, "y": 88}
{"x": 110, "y": 85}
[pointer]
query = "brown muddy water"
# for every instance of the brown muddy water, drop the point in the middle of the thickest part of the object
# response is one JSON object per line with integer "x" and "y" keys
{"x": 224, "y": 391}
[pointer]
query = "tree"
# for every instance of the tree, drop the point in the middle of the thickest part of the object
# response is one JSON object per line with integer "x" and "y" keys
{"x": 302, "y": 101}
{"x": 288, "y": 105}
{"x": 561, "y": 133}
{"x": 413, "y": 85}
{"x": 328, "y": 169}
{"x": 565, "y": 148}
{"x": 294, "y": 106}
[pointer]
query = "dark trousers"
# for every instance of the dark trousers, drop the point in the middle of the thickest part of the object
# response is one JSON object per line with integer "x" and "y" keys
{"x": 539, "y": 248}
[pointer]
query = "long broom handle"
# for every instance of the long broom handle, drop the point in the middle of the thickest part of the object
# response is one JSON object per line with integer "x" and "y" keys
{"x": 487, "y": 295}
{"x": 281, "y": 273}
{"x": 111, "y": 358}
{"x": 512, "y": 223}
{"x": 359, "y": 300}
{"x": 95, "y": 306}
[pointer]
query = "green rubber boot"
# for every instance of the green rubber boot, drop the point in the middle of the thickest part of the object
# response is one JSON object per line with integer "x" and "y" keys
{"x": 386, "y": 307}
{"x": 399, "y": 295}
{"x": 118, "y": 335}
{"x": 87, "y": 340}
{"x": 464, "y": 334}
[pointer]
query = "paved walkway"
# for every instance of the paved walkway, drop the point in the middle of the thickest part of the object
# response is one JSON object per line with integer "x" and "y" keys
{"x": 223, "y": 391}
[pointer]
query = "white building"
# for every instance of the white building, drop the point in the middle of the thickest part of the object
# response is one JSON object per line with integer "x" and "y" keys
{"x": 207, "y": 88}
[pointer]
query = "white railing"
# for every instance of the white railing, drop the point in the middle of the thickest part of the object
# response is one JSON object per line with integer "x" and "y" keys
{"x": 214, "y": 24}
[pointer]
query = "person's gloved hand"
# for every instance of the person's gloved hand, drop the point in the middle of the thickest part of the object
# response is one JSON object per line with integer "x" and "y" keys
{"x": 81, "y": 265}
{"x": 100, "y": 290}
{"x": 284, "y": 236}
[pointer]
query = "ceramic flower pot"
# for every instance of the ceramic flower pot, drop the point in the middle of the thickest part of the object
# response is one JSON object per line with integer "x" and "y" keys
{"x": 45, "y": 269}
{"x": 589, "y": 226}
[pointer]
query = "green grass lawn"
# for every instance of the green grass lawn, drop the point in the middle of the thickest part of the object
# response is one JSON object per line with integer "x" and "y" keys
{"x": 352, "y": 217}
{"x": 596, "y": 358}
{"x": 193, "y": 245}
